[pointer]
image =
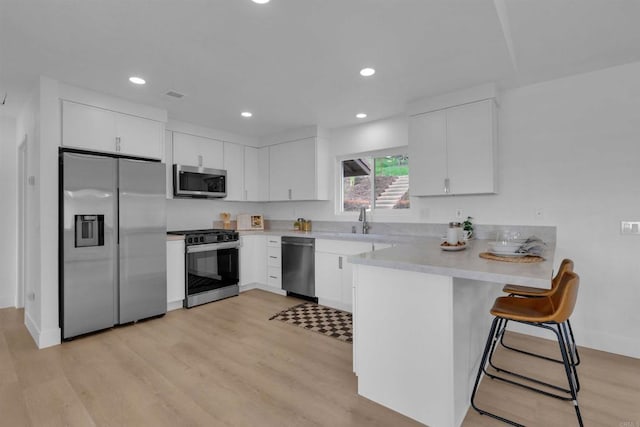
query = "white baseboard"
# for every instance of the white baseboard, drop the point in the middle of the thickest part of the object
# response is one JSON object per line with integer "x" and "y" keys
{"x": 335, "y": 304}
{"x": 174, "y": 305}
{"x": 43, "y": 339}
{"x": 6, "y": 302}
{"x": 249, "y": 286}
{"x": 49, "y": 337}
{"x": 32, "y": 327}
{"x": 262, "y": 286}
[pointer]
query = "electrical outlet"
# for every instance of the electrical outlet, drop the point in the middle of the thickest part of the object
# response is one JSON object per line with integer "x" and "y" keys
{"x": 459, "y": 213}
{"x": 629, "y": 227}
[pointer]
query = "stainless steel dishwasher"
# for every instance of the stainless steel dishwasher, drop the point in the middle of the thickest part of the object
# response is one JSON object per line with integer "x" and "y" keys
{"x": 298, "y": 266}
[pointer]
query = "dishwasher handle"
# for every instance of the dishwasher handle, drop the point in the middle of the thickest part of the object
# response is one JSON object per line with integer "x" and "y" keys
{"x": 310, "y": 245}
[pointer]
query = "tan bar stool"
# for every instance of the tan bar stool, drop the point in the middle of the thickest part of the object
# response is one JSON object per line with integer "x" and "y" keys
{"x": 532, "y": 292}
{"x": 549, "y": 312}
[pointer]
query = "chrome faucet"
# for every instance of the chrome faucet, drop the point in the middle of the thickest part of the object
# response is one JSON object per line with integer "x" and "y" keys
{"x": 363, "y": 219}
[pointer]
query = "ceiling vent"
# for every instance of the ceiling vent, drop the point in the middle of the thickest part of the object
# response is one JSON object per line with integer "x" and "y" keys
{"x": 175, "y": 94}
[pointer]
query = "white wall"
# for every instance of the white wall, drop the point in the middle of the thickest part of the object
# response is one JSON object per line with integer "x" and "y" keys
{"x": 569, "y": 147}
{"x": 193, "y": 214}
{"x": 8, "y": 212}
{"x": 28, "y": 128}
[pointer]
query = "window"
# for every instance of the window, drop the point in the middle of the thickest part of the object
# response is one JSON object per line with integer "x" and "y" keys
{"x": 375, "y": 182}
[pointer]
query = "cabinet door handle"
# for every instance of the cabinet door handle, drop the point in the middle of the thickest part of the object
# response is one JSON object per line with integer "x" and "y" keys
{"x": 246, "y": 197}
{"x": 274, "y": 277}
{"x": 274, "y": 257}
{"x": 117, "y": 143}
{"x": 289, "y": 194}
{"x": 446, "y": 185}
{"x": 340, "y": 262}
{"x": 200, "y": 160}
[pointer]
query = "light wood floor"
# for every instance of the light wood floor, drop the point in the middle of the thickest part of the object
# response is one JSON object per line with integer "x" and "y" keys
{"x": 226, "y": 364}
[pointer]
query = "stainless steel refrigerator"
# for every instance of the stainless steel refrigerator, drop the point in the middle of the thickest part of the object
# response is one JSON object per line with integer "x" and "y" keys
{"x": 113, "y": 242}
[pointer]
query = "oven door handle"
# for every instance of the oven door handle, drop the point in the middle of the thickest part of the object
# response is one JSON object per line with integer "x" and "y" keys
{"x": 212, "y": 247}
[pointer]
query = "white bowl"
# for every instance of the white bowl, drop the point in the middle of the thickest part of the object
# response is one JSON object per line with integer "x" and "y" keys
{"x": 504, "y": 247}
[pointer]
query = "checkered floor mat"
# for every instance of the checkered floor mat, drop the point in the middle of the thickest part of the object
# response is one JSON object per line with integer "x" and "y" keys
{"x": 328, "y": 321}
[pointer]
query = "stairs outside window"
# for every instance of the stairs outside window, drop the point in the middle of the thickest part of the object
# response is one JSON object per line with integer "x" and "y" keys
{"x": 392, "y": 195}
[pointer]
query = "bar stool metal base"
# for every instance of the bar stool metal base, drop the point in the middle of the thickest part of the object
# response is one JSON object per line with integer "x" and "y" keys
{"x": 495, "y": 334}
{"x": 562, "y": 329}
{"x": 573, "y": 348}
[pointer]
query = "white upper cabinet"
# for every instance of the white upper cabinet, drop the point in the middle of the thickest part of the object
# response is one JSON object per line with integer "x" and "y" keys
{"x": 191, "y": 150}
{"x": 428, "y": 153}
{"x": 295, "y": 172}
{"x": 234, "y": 165}
{"x": 140, "y": 137}
{"x": 256, "y": 174}
{"x": 97, "y": 129}
{"x": 453, "y": 151}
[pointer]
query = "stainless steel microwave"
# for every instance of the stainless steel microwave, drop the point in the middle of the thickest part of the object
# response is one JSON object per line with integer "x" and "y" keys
{"x": 199, "y": 182}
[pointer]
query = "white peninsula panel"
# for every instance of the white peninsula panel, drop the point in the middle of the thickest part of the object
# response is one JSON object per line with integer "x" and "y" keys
{"x": 421, "y": 316}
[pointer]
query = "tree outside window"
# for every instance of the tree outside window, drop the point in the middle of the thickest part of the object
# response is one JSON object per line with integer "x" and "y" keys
{"x": 375, "y": 183}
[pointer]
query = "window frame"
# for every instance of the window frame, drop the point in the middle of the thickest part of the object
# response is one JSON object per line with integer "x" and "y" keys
{"x": 339, "y": 187}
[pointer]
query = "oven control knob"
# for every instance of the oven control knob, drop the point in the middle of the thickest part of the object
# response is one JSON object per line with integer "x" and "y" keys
{"x": 189, "y": 239}
{"x": 201, "y": 239}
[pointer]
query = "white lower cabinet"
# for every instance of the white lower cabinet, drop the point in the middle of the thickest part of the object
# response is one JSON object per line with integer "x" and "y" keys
{"x": 253, "y": 261}
{"x": 274, "y": 262}
{"x": 334, "y": 280}
{"x": 175, "y": 274}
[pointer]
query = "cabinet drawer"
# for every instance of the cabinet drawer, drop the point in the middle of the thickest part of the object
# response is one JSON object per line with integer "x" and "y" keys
{"x": 273, "y": 241}
{"x": 274, "y": 276}
{"x": 274, "y": 258}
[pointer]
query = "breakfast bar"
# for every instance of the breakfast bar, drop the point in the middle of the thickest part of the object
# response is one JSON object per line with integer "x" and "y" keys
{"x": 420, "y": 318}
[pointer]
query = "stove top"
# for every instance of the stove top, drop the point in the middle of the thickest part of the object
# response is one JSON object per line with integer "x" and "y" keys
{"x": 213, "y": 235}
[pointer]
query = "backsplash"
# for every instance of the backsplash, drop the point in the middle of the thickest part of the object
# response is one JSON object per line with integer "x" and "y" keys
{"x": 481, "y": 231}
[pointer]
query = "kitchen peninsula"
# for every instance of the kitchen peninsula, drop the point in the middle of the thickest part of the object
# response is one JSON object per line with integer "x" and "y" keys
{"x": 421, "y": 317}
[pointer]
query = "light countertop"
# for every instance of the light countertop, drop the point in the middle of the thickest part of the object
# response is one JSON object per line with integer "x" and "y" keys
{"x": 427, "y": 257}
{"x": 172, "y": 237}
{"x": 357, "y": 237}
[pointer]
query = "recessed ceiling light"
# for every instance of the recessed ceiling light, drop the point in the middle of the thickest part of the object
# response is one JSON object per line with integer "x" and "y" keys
{"x": 261, "y": 1}
{"x": 367, "y": 72}
{"x": 361, "y": 115}
{"x": 246, "y": 114}
{"x": 137, "y": 80}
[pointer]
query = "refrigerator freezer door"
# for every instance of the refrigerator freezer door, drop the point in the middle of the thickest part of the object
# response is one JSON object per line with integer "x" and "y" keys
{"x": 143, "y": 277}
{"x": 88, "y": 292}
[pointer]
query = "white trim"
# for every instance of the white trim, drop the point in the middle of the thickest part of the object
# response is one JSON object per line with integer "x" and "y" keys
{"x": 335, "y": 304}
{"x": 23, "y": 151}
{"x": 264, "y": 287}
{"x": 32, "y": 327}
{"x": 175, "y": 305}
{"x": 49, "y": 338}
{"x": 44, "y": 339}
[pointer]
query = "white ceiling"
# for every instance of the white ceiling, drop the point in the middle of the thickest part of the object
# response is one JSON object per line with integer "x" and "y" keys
{"x": 295, "y": 63}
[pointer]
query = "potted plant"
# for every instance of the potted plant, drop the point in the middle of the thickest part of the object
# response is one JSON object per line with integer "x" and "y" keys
{"x": 467, "y": 225}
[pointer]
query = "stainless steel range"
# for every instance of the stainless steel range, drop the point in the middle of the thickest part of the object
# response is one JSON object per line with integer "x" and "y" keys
{"x": 211, "y": 265}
